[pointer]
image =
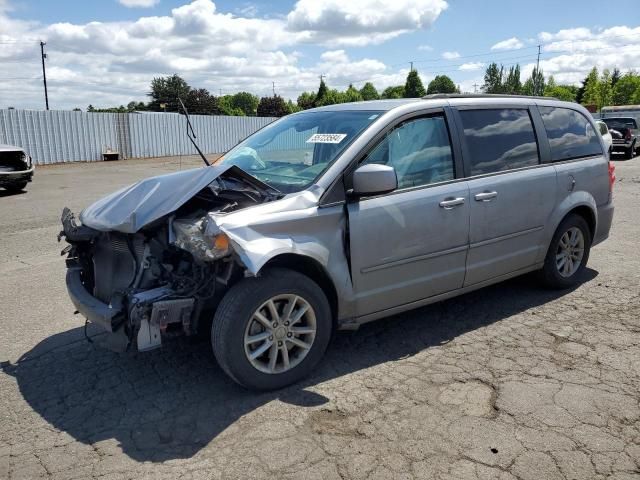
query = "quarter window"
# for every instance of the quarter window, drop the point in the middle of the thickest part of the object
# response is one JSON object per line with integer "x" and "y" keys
{"x": 419, "y": 150}
{"x": 499, "y": 139}
{"x": 570, "y": 134}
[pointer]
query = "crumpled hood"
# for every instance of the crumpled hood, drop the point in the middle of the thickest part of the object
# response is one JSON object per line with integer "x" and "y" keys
{"x": 131, "y": 208}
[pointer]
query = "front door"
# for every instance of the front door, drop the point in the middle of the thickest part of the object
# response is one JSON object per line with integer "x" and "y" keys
{"x": 412, "y": 243}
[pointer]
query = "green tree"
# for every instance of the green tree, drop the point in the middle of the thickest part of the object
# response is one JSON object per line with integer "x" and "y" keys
{"x": 369, "y": 92}
{"x": 226, "y": 106}
{"x": 615, "y": 76}
{"x": 136, "y": 107}
{"x": 625, "y": 88}
{"x": 535, "y": 83}
{"x": 293, "y": 107}
{"x": 322, "y": 93}
{"x": 167, "y": 90}
{"x": 200, "y": 102}
{"x": 272, "y": 107}
{"x": 605, "y": 90}
{"x": 351, "y": 94}
{"x": 561, "y": 92}
{"x": 512, "y": 84}
{"x": 91, "y": 108}
{"x": 306, "y": 100}
{"x": 592, "y": 89}
{"x": 393, "y": 92}
{"x": 580, "y": 94}
{"x": 493, "y": 79}
{"x": 330, "y": 97}
{"x": 413, "y": 87}
{"x": 246, "y": 102}
{"x": 442, "y": 84}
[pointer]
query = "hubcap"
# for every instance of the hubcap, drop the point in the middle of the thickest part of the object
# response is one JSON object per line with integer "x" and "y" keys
{"x": 280, "y": 334}
{"x": 570, "y": 252}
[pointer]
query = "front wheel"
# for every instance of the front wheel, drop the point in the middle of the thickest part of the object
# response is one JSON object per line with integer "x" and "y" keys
{"x": 568, "y": 253}
{"x": 271, "y": 331}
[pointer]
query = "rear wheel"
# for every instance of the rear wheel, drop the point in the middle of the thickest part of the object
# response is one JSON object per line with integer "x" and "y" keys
{"x": 271, "y": 331}
{"x": 568, "y": 253}
{"x": 630, "y": 152}
{"x": 16, "y": 187}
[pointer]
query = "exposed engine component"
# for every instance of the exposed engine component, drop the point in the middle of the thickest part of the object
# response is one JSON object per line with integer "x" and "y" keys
{"x": 161, "y": 268}
{"x": 198, "y": 238}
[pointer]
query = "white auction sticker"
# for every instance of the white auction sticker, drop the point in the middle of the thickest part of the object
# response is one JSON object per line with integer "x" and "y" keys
{"x": 327, "y": 138}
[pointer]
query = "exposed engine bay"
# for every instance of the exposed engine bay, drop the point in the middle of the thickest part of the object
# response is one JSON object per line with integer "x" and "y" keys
{"x": 164, "y": 277}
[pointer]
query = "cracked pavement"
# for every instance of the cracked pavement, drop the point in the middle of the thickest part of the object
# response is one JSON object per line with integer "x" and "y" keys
{"x": 509, "y": 382}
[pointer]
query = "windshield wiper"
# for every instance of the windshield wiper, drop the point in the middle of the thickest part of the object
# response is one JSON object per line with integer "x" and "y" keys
{"x": 191, "y": 132}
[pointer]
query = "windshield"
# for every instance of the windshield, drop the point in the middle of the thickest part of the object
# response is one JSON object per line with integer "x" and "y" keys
{"x": 620, "y": 122}
{"x": 291, "y": 153}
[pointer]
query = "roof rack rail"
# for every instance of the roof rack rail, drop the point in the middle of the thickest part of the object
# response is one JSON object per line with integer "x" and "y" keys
{"x": 435, "y": 96}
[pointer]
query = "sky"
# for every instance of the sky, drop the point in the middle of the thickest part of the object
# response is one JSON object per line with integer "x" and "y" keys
{"x": 106, "y": 52}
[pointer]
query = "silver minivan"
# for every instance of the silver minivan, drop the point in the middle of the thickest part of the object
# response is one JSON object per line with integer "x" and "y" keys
{"x": 336, "y": 216}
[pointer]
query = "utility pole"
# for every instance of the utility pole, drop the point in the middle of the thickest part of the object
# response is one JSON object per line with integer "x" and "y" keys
{"x": 537, "y": 86}
{"x": 273, "y": 86}
{"x": 411, "y": 66}
{"x": 475, "y": 88}
{"x": 44, "y": 74}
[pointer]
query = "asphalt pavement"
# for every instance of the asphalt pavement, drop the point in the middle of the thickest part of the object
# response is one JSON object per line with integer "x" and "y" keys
{"x": 510, "y": 382}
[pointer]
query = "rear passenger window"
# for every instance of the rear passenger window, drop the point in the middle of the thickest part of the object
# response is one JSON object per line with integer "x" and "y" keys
{"x": 570, "y": 134}
{"x": 419, "y": 150}
{"x": 499, "y": 139}
{"x": 603, "y": 128}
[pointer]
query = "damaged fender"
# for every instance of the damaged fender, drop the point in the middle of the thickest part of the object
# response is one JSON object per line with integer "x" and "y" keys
{"x": 293, "y": 225}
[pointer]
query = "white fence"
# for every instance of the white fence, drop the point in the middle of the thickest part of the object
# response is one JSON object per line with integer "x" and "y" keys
{"x": 63, "y": 136}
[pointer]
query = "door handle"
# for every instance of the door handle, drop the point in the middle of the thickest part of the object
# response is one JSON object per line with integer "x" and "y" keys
{"x": 485, "y": 196}
{"x": 449, "y": 203}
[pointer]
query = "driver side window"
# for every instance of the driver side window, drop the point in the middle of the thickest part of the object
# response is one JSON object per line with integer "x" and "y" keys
{"x": 419, "y": 150}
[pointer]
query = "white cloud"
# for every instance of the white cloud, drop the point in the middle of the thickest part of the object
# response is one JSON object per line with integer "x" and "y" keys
{"x": 425, "y": 48}
{"x": 450, "y": 55}
{"x": 112, "y": 63}
{"x": 569, "y": 54}
{"x": 512, "y": 43}
{"x": 139, "y": 3}
{"x": 471, "y": 66}
{"x": 361, "y": 22}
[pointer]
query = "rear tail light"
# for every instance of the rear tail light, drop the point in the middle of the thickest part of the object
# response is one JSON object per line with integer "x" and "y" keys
{"x": 612, "y": 176}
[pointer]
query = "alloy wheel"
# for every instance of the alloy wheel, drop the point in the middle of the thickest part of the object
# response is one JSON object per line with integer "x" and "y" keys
{"x": 280, "y": 334}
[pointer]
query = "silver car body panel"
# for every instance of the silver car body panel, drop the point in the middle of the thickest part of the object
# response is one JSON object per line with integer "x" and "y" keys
{"x": 131, "y": 208}
{"x": 393, "y": 263}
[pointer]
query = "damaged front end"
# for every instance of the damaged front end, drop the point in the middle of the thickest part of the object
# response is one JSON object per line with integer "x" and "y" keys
{"x": 148, "y": 261}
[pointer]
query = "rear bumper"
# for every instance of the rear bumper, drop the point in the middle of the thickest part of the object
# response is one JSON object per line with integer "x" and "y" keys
{"x": 620, "y": 147}
{"x": 603, "y": 225}
{"x": 90, "y": 307}
{"x": 11, "y": 178}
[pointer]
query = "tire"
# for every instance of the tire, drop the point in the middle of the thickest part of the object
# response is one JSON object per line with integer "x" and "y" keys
{"x": 555, "y": 273}
{"x": 236, "y": 321}
{"x": 630, "y": 152}
{"x": 16, "y": 187}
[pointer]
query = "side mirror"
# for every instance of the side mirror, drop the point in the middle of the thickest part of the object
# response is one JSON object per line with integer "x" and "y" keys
{"x": 374, "y": 179}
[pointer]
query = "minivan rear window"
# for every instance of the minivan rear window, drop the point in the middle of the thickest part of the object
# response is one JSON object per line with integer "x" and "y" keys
{"x": 499, "y": 139}
{"x": 570, "y": 134}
